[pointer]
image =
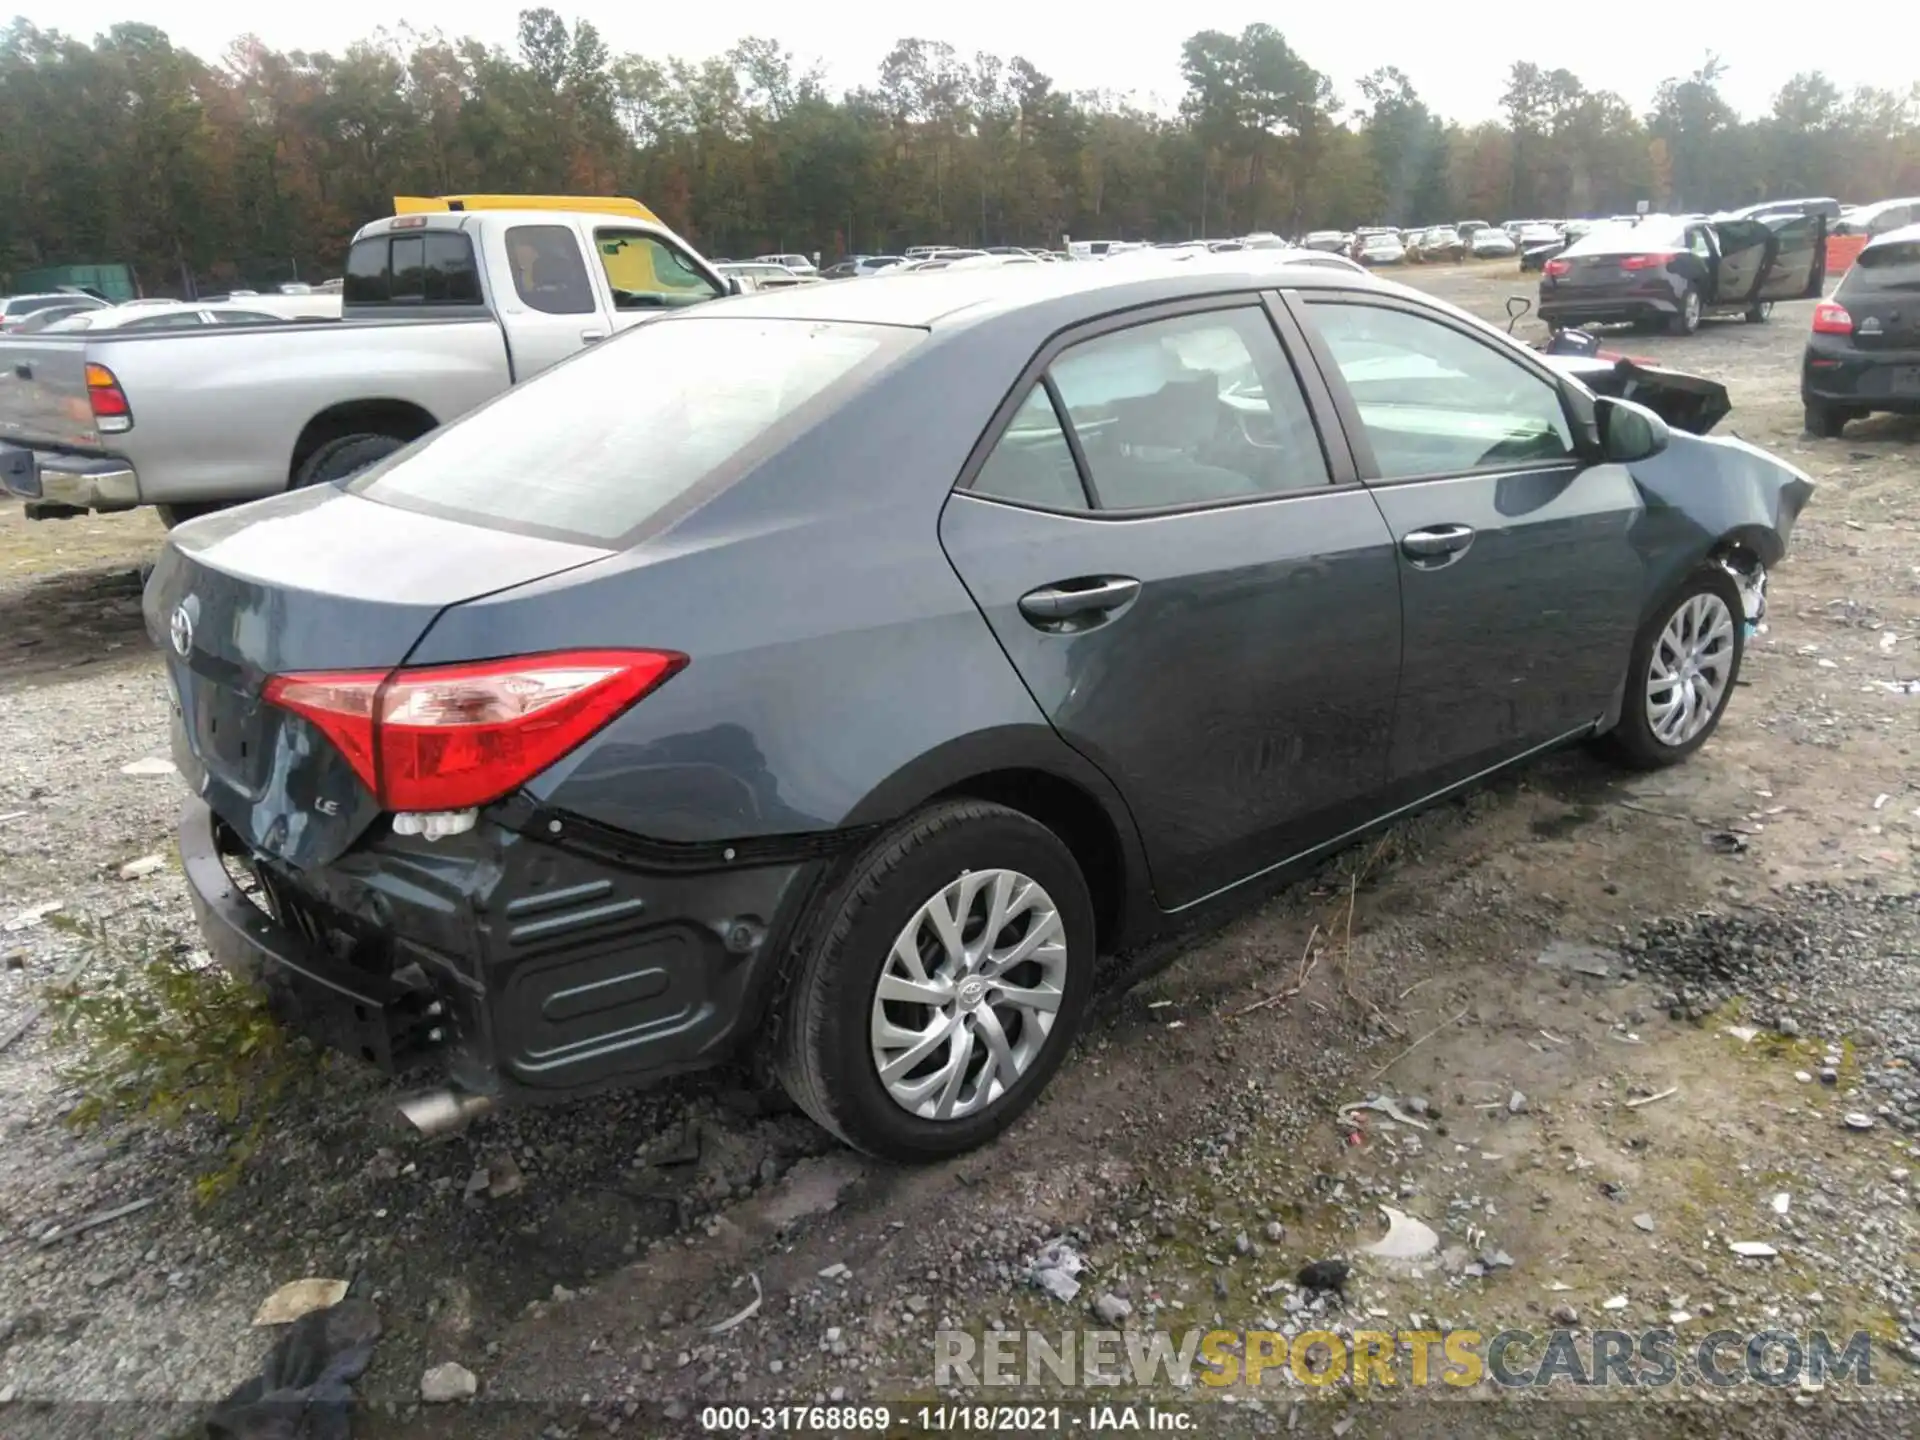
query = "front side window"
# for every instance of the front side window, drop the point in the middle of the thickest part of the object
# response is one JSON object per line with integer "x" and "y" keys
{"x": 645, "y": 273}
{"x": 548, "y": 273}
{"x": 1434, "y": 401}
{"x": 1193, "y": 409}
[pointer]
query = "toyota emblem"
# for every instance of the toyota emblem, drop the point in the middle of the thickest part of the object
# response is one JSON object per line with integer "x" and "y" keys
{"x": 181, "y": 629}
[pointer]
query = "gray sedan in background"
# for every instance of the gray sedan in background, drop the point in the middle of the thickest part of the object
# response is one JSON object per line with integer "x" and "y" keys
{"x": 888, "y": 655}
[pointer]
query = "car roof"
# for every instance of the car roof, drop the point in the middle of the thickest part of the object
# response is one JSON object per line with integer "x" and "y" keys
{"x": 952, "y": 298}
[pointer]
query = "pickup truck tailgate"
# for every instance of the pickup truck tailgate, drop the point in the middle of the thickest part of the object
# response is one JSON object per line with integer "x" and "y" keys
{"x": 43, "y": 394}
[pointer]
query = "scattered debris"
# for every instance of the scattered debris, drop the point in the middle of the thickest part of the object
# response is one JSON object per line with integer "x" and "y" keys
{"x": 1644, "y": 1221}
{"x": 1618, "y": 1302}
{"x": 1564, "y": 1314}
{"x": 1781, "y": 1202}
{"x": 1858, "y": 1120}
{"x": 1587, "y": 960}
{"x": 32, "y": 916}
{"x": 94, "y": 1222}
{"x": 1726, "y": 842}
{"x": 835, "y": 1271}
{"x": 146, "y": 865}
{"x": 1745, "y": 1034}
{"x": 504, "y": 1176}
{"x": 1110, "y": 1309}
{"x": 1406, "y": 1237}
{"x": 1056, "y": 1270}
{"x": 1385, "y": 1105}
{"x": 1516, "y": 1104}
{"x": 304, "y": 1385}
{"x": 1670, "y": 1091}
{"x": 447, "y": 1382}
{"x": 747, "y": 1311}
{"x": 297, "y": 1298}
{"x": 1752, "y": 1249}
{"x": 151, "y": 765}
{"x": 1325, "y": 1275}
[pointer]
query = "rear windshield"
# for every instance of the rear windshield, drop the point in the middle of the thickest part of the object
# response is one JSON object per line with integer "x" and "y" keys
{"x": 1629, "y": 239}
{"x": 423, "y": 267}
{"x": 627, "y": 435}
{"x": 1885, "y": 267}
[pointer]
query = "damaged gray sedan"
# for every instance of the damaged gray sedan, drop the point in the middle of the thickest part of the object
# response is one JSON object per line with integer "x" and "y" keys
{"x": 886, "y": 654}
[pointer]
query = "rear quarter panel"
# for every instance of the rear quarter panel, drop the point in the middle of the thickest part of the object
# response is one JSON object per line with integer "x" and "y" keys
{"x": 217, "y": 412}
{"x": 839, "y": 670}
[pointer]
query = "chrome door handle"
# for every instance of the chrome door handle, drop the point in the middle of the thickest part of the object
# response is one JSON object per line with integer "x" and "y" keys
{"x": 587, "y": 337}
{"x": 1075, "y": 598}
{"x": 1437, "y": 542}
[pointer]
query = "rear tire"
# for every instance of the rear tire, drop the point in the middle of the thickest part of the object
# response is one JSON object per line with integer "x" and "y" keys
{"x": 829, "y": 1026}
{"x": 344, "y": 456}
{"x": 1637, "y": 741}
{"x": 172, "y": 515}
{"x": 1686, "y": 320}
{"x": 1825, "y": 422}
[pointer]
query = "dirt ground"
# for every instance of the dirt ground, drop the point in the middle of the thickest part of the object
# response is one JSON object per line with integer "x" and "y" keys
{"x": 1591, "y": 998}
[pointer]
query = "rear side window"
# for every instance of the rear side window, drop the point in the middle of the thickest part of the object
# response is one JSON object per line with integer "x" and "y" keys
{"x": 425, "y": 268}
{"x": 698, "y": 400}
{"x": 1883, "y": 267}
{"x": 548, "y": 273}
{"x": 1031, "y": 463}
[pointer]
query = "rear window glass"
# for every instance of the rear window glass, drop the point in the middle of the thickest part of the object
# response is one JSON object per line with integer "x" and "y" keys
{"x": 424, "y": 268}
{"x": 1629, "y": 239}
{"x": 1884, "y": 267}
{"x": 605, "y": 444}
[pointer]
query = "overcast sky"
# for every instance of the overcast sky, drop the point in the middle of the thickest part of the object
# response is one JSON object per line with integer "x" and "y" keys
{"x": 1456, "y": 54}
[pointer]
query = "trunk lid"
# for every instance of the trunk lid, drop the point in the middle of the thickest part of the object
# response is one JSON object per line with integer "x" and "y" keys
{"x": 43, "y": 393}
{"x": 314, "y": 580}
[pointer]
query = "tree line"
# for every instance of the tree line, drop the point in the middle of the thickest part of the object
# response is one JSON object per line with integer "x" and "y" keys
{"x": 257, "y": 167}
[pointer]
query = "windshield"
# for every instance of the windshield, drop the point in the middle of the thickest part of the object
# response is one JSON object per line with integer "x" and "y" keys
{"x": 610, "y": 442}
{"x": 1884, "y": 267}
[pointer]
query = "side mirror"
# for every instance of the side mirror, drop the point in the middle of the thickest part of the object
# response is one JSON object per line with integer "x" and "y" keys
{"x": 1629, "y": 432}
{"x": 1518, "y": 306}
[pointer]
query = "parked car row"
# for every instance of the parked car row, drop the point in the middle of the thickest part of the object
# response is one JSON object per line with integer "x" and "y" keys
{"x": 67, "y": 311}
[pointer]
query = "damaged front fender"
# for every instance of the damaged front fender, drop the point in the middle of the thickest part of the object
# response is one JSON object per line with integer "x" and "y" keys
{"x": 1718, "y": 498}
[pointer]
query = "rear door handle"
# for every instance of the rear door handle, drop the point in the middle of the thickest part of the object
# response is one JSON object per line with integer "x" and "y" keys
{"x": 1074, "y": 598}
{"x": 1437, "y": 542}
{"x": 587, "y": 337}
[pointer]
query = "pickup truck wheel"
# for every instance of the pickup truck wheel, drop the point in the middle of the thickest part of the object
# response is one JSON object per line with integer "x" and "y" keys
{"x": 172, "y": 515}
{"x": 349, "y": 454}
{"x": 941, "y": 984}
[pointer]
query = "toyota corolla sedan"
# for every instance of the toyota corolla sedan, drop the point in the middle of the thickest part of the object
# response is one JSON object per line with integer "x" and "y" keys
{"x": 841, "y": 673}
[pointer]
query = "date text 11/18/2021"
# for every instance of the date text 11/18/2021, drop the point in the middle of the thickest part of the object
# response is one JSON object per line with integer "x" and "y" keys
{"x": 942, "y": 1419}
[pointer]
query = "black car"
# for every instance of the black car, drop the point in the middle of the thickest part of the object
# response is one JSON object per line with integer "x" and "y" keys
{"x": 1864, "y": 352}
{"x": 1674, "y": 272}
{"x": 839, "y": 673}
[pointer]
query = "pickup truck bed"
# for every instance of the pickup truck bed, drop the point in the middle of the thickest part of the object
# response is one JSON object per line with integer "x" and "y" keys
{"x": 250, "y": 385}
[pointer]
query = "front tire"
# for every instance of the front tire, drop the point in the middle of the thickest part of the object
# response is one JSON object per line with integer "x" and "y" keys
{"x": 1757, "y": 314}
{"x": 943, "y": 985}
{"x": 1686, "y": 661}
{"x": 173, "y": 515}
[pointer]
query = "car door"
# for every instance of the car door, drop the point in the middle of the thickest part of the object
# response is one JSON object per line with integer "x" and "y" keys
{"x": 1193, "y": 585}
{"x": 1519, "y": 579}
{"x": 548, "y": 305}
{"x": 1796, "y": 267}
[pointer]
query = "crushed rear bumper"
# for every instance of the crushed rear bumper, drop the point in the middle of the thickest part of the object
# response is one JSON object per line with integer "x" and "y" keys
{"x": 522, "y": 969}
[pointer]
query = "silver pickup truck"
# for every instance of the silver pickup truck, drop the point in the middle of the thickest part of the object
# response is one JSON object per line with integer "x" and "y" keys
{"x": 440, "y": 312}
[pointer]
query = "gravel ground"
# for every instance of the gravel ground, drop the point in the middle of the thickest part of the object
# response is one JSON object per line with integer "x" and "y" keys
{"x": 1579, "y": 938}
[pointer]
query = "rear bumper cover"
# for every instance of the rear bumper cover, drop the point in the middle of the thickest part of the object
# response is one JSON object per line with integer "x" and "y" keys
{"x": 524, "y": 970}
{"x": 1612, "y": 309}
{"x": 76, "y": 482}
{"x": 1858, "y": 379}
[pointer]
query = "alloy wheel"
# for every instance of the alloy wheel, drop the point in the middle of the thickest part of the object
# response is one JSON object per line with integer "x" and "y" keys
{"x": 967, "y": 998}
{"x": 1692, "y": 663}
{"x": 1692, "y": 304}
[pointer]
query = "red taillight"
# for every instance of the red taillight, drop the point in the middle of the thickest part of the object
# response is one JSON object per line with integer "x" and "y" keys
{"x": 1557, "y": 268}
{"x": 111, "y": 412}
{"x": 1648, "y": 262}
{"x": 447, "y": 737}
{"x": 1831, "y": 319}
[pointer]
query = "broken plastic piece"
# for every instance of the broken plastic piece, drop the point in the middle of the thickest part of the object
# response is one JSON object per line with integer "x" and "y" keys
{"x": 1406, "y": 1237}
{"x": 752, "y": 1308}
{"x": 1386, "y": 1106}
